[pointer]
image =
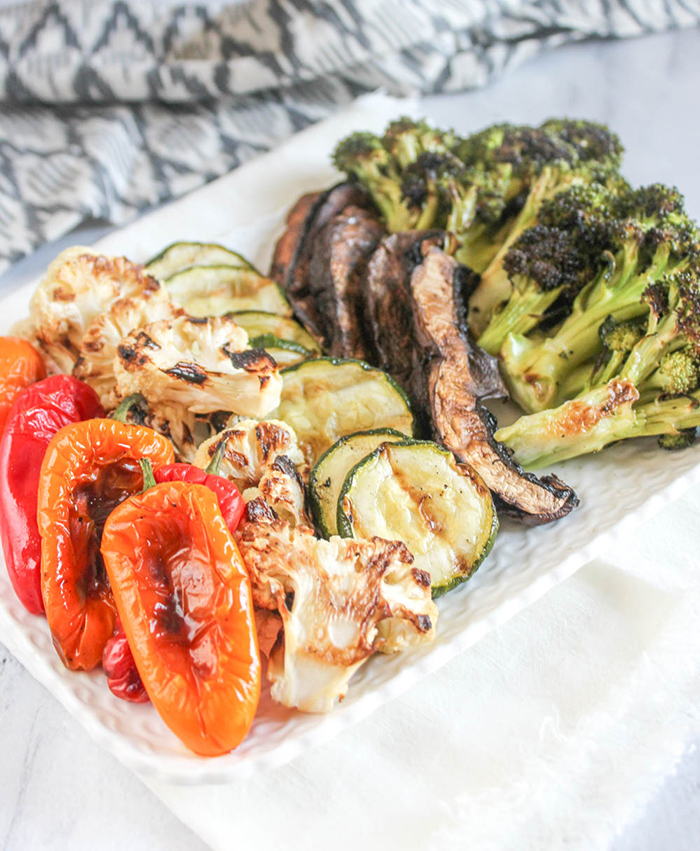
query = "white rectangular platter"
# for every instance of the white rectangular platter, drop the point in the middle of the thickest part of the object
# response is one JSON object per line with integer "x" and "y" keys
{"x": 618, "y": 489}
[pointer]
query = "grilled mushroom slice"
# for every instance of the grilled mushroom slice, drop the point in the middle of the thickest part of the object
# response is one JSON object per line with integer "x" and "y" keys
{"x": 335, "y": 278}
{"x": 454, "y": 375}
{"x": 388, "y": 307}
{"x": 290, "y": 267}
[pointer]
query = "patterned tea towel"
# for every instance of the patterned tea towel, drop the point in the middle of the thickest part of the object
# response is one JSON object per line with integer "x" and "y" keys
{"x": 109, "y": 107}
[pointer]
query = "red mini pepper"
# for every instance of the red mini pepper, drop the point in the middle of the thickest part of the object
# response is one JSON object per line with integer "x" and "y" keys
{"x": 40, "y": 411}
{"x": 231, "y": 502}
{"x": 118, "y": 663}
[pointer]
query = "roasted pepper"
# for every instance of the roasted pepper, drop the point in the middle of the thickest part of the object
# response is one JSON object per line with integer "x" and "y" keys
{"x": 20, "y": 365}
{"x": 230, "y": 500}
{"x": 118, "y": 664}
{"x": 37, "y": 414}
{"x": 88, "y": 469}
{"x": 183, "y": 596}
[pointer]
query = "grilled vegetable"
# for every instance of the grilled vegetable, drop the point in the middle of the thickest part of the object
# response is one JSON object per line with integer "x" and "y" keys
{"x": 38, "y": 413}
{"x": 195, "y": 366}
{"x": 261, "y": 459}
{"x": 89, "y": 468}
{"x": 214, "y": 290}
{"x": 182, "y": 255}
{"x": 284, "y": 352}
{"x": 414, "y": 491}
{"x": 329, "y": 474}
{"x": 326, "y": 398}
{"x": 339, "y": 600}
{"x": 259, "y": 324}
{"x": 293, "y": 252}
{"x": 336, "y": 278}
{"x": 20, "y": 366}
{"x": 183, "y": 596}
{"x": 456, "y": 377}
{"x": 78, "y": 287}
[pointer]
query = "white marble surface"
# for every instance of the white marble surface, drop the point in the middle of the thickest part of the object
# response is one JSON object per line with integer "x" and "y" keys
{"x": 57, "y": 789}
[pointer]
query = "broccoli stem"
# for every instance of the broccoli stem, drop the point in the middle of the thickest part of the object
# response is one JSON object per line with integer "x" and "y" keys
{"x": 580, "y": 426}
{"x": 522, "y": 313}
{"x": 537, "y": 373}
{"x": 495, "y": 287}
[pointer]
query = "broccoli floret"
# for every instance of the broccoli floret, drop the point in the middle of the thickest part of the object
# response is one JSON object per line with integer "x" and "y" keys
{"x": 682, "y": 440}
{"x": 406, "y": 139}
{"x": 654, "y": 249}
{"x": 544, "y": 265}
{"x": 543, "y": 163}
{"x": 655, "y": 392}
{"x": 363, "y": 156}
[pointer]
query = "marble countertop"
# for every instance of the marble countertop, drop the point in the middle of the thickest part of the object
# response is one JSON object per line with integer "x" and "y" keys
{"x": 58, "y": 790}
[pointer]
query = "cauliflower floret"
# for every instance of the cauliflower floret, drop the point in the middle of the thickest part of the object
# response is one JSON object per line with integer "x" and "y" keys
{"x": 187, "y": 366}
{"x": 339, "y": 600}
{"x": 260, "y": 457}
{"x": 79, "y": 285}
{"x": 98, "y": 348}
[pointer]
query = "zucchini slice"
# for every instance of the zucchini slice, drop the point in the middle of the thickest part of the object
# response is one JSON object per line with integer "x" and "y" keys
{"x": 285, "y": 352}
{"x": 257, "y": 323}
{"x": 182, "y": 255}
{"x": 214, "y": 290}
{"x": 332, "y": 468}
{"x": 415, "y": 492}
{"x": 326, "y": 398}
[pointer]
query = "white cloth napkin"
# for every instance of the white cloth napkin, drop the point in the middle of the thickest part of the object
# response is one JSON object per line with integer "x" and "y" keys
{"x": 551, "y": 733}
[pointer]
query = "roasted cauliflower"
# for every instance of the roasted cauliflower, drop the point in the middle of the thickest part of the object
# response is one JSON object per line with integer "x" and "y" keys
{"x": 187, "y": 366}
{"x": 98, "y": 348}
{"x": 339, "y": 601}
{"x": 261, "y": 458}
{"x": 79, "y": 286}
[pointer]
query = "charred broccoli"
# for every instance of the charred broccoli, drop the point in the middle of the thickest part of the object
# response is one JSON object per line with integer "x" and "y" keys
{"x": 653, "y": 243}
{"x": 656, "y": 390}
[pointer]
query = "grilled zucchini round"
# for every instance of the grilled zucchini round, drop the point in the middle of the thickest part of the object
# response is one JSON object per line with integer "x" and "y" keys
{"x": 257, "y": 323}
{"x": 415, "y": 492}
{"x": 329, "y": 474}
{"x": 182, "y": 255}
{"x": 214, "y": 290}
{"x": 326, "y": 398}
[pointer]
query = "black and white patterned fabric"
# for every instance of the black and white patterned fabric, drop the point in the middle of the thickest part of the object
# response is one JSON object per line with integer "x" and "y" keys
{"x": 110, "y": 107}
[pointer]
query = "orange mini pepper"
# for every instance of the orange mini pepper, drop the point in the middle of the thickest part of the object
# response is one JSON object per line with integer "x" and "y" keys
{"x": 20, "y": 365}
{"x": 89, "y": 468}
{"x": 184, "y": 600}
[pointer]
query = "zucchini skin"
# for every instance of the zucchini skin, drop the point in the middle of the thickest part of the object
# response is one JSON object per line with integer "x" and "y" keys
{"x": 439, "y": 590}
{"x": 244, "y": 264}
{"x": 367, "y": 367}
{"x": 314, "y": 486}
{"x": 345, "y": 526}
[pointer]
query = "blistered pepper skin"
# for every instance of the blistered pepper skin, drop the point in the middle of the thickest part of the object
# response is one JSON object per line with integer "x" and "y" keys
{"x": 20, "y": 365}
{"x": 184, "y": 600}
{"x": 231, "y": 502}
{"x": 38, "y": 413}
{"x": 88, "y": 468}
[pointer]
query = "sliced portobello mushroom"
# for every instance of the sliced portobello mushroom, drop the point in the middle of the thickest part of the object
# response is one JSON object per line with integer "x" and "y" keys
{"x": 299, "y": 241}
{"x": 258, "y": 323}
{"x": 287, "y": 244}
{"x": 388, "y": 309}
{"x": 455, "y": 374}
{"x": 328, "y": 476}
{"x": 415, "y": 492}
{"x": 335, "y": 278}
{"x": 326, "y": 398}
{"x": 218, "y": 290}
{"x": 181, "y": 255}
